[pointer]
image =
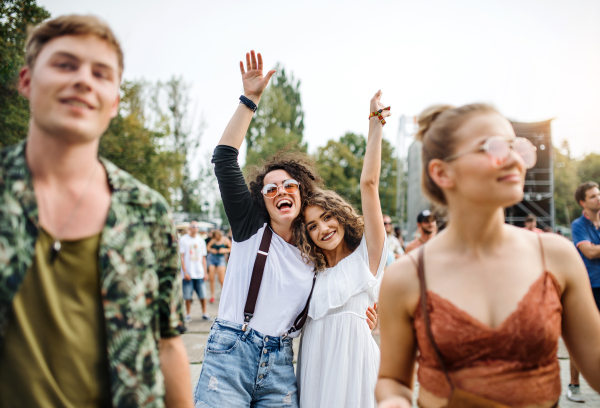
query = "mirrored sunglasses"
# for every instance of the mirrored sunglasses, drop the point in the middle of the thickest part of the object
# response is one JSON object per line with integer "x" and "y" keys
{"x": 289, "y": 186}
{"x": 498, "y": 150}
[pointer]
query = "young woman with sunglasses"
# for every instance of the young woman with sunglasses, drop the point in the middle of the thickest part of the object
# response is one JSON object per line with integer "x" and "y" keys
{"x": 495, "y": 297}
{"x": 248, "y": 359}
{"x": 339, "y": 359}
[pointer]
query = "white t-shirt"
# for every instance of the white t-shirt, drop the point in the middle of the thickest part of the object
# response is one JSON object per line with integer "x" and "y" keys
{"x": 194, "y": 250}
{"x": 284, "y": 289}
{"x": 286, "y": 280}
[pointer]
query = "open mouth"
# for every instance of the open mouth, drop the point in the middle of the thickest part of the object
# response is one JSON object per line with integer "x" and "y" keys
{"x": 284, "y": 205}
{"x": 328, "y": 236}
{"x": 76, "y": 103}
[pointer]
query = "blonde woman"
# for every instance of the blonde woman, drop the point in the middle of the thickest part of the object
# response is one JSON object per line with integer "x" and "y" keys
{"x": 491, "y": 298}
{"x": 338, "y": 361}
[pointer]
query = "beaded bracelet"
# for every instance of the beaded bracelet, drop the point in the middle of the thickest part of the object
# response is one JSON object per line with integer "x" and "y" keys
{"x": 378, "y": 114}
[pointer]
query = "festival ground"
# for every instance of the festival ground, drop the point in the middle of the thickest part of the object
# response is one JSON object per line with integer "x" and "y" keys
{"x": 198, "y": 330}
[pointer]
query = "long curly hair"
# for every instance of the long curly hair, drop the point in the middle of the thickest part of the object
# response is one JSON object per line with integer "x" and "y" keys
{"x": 300, "y": 166}
{"x": 345, "y": 214}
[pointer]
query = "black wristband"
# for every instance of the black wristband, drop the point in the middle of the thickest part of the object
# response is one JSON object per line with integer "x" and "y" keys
{"x": 251, "y": 105}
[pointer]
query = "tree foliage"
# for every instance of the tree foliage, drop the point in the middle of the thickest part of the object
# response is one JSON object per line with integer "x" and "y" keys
{"x": 565, "y": 182}
{"x": 588, "y": 169}
{"x": 279, "y": 121}
{"x": 340, "y": 165}
{"x": 15, "y": 17}
{"x": 568, "y": 174}
{"x": 139, "y": 150}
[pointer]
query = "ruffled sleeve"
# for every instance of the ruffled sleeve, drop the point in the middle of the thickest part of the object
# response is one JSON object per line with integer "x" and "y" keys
{"x": 335, "y": 286}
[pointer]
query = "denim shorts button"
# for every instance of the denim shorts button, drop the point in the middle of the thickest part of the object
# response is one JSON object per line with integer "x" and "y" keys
{"x": 266, "y": 339}
{"x": 263, "y": 364}
{"x": 265, "y": 351}
{"x": 260, "y": 377}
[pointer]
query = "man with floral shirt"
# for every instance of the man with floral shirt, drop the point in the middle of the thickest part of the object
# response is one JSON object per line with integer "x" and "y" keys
{"x": 90, "y": 295}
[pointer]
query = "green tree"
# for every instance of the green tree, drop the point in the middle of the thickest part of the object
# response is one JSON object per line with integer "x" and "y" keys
{"x": 15, "y": 17}
{"x": 279, "y": 121}
{"x": 565, "y": 181}
{"x": 588, "y": 169}
{"x": 340, "y": 165}
{"x": 135, "y": 148}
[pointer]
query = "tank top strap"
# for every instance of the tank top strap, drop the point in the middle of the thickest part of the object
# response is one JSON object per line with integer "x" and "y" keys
{"x": 542, "y": 252}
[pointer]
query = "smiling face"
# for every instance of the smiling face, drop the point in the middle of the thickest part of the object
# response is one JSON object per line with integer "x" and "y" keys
{"x": 73, "y": 89}
{"x": 323, "y": 228}
{"x": 473, "y": 177}
{"x": 284, "y": 207}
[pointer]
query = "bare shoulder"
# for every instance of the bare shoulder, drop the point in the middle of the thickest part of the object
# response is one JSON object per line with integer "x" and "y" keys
{"x": 562, "y": 258}
{"x": 400, "y": 285}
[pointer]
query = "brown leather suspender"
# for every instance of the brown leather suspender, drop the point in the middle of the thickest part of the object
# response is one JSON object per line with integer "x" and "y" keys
{"x": 256, "y": 280}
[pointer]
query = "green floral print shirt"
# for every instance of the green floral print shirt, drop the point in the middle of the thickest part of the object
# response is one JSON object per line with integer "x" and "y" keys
{"x": 139, "y": 268}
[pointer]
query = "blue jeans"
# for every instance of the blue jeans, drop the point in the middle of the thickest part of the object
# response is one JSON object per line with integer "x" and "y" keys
{"x": 216, "y": 260}
{"x": 190, "y": 286}
{"x": 246, "y": 369}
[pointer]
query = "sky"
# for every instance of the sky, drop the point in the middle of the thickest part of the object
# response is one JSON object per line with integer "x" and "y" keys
{"x": 532, "y": 59}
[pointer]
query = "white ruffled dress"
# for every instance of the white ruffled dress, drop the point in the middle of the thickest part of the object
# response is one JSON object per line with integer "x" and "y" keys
{"x": 338, "y": 361}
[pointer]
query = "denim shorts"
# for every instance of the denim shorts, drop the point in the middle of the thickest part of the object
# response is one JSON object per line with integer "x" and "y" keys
{"x": 191, "y": 286}
{"x": 246, "y": 369}
{"x": 216, "y": 260}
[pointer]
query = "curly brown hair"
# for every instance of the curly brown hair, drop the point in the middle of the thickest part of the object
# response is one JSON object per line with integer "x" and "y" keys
{"x": 345, "y": 214}
{"x": 300, "y": 166}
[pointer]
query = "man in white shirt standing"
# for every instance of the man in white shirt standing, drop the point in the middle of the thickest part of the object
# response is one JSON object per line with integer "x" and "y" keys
{"x": 193, "y": 268}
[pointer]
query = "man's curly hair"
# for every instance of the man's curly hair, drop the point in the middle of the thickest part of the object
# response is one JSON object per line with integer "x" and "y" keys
{"x": 300, "y": 166}
{"x": 346, "y": 215}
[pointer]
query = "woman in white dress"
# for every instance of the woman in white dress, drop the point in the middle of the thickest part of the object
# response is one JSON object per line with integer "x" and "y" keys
{"x": 339, "y": 360}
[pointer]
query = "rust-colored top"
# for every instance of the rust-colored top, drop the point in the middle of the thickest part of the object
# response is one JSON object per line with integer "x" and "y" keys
{"x": 514, "y": 364}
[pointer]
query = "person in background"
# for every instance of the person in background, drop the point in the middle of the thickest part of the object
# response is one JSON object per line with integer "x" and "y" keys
{"x": 395, "y": 250}
{"x": 182, "y": 229}
{"x": 531, "y": 224}
{"x": 426, "y": 229}
{"x": 398, "y": 234}
{"x": 548, "y": 229}
{"x": 218, "y": 246}
{"x": 193, "y": 269}
{"x": 586, "y": 237}
{"x": 90, "y": 306}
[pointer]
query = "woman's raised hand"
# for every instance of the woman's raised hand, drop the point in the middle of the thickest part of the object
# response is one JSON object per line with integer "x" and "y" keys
{"x": 376, "y": 104}
{"x": 252, "y": 77}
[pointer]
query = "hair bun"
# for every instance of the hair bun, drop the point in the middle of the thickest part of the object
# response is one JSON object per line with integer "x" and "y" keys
{"x": 427, "y": 117}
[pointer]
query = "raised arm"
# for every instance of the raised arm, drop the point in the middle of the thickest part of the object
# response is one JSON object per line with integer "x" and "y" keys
{"x": 369, "y": 187}
{"x": 254, "y": 85}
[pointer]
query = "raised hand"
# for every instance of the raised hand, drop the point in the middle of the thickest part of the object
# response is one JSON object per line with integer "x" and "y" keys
{"x": 252, "y": 77}
{"x": 376, "y": 104}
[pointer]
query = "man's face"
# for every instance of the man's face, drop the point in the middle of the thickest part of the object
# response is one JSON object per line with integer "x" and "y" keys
{"x": 592, "y": 199}
{"x": 428, "y": 225}
{"x": 193, "y": 229}
{"x": 387, "y": 223}
{"x": 73, "y": 89}
{"x": 530, "y": 225}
